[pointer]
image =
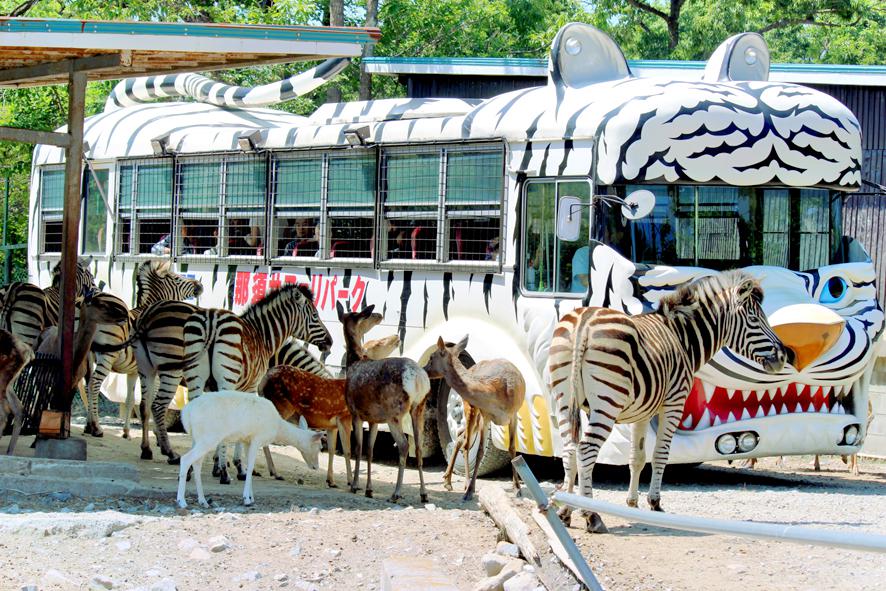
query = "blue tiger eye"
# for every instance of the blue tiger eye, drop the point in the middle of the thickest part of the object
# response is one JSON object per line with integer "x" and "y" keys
{"x": 833, "y": 291}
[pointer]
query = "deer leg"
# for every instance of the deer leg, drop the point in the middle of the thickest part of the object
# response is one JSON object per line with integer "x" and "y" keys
{"x": 472, "y": 416}
{"x": 193, "y": 457}
{"x": 373, "y": 431}
{"x": 331, "y": 438}
{"x": 403, "y": 449}
{"x": 816, "y": 464}
{"x": 447, "y": 476}
{"x": 637, "y": 459}
{"x": 270, "y": 462}
{"x": 344, "y": 430}
{"x": 469, "y": 493}
{"x": 251, "y": 455}
{"x": 418, "y": 426}
{"x": 512, "y": 451}
{"x": 12, "y": 405}
{"x": 357, "y": 426}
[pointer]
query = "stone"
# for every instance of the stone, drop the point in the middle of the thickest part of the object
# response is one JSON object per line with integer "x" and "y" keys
{"x": 493, "y": 563}
{"x": 30, "y": 587}
{"x": 123, "y": 545}
{"x": 303, "y": 585}
{"x": 89, "y": 508}
{"x": 523, "y": 581}
{"x": 333, "y": 552}
{"x": 72, "y": 448}
{"x": 431, "y": 507}
{"x": 187, "y": 544}
{"x": 101, "y": 582}
{"x": 508, "y": 549}
{"x": 249, "y": 576}
{"x": 409, "y": 573}
{"x": 295, "y": 552}
{"x": 281, "y": 577}
{"x": 55, "y": 578}
{"x": 163, "y": 585}
{"x": 497, "y": 582}
{"x": 61, "y": 497}
{"x": 219, "y": 544}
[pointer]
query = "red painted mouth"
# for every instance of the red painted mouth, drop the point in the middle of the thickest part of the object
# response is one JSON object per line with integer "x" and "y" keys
{"x": 709, "y": 406}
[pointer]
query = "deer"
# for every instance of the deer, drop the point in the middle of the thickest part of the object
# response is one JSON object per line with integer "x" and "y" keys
{"x": 382, "y": 391}
{"x": 493, "y": 391}
{"x": 15, "y": 354}
{"x": 320, "y": 400}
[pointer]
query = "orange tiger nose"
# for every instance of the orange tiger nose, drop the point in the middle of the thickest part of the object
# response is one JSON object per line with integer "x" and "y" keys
{"x": 808, "y": 330}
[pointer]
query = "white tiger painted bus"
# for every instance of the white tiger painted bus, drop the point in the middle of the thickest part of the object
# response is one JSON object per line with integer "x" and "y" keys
{"x": 443, "y": 214}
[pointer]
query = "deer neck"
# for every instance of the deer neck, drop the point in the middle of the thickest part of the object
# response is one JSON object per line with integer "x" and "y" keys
{"x": 458, "y": 378}
{"x": 353, "y": 349}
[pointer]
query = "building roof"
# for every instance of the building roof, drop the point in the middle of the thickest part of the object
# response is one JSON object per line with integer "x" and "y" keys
{"x": 675, "y": 70}
{"x": 34, "y": 51}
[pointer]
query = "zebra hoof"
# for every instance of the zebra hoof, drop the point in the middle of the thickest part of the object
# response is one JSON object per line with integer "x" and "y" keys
{"x": 241, "y": 476}
{"x": 216, "y": 471}
{"x": 595, "y": 524}
{"x": 223, "y": 477}
{"x": 278, "y": 477}
{"x": 368, "y": 494}
{"x": 173, "y": 460}
{"x": 126, "y": 435}
{"x": 424, "y": 497}
{"x": 147, "y": 454}
{"x": 394, "y": 498}
{"x": 331, "y": 484}
{"x": 655, "y": 505}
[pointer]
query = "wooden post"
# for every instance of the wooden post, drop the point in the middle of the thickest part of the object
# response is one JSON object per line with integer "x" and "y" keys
{"x": 70, "y": 229}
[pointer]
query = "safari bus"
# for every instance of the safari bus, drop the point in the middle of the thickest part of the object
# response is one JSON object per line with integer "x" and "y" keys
{"x": 492, "y": 218}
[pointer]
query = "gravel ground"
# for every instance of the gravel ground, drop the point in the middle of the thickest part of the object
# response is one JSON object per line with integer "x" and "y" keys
{"x": 301, "y": 535}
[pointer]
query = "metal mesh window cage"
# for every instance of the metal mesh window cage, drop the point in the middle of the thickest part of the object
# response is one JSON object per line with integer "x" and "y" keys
{"x": 350, "y": 206}
{"x": 144, "y": 206}
{"x": 52, "y": 196}
{"x": 443, "y": 203}
{"x": 95, "y": 212}
{"x": 298, "y": 204}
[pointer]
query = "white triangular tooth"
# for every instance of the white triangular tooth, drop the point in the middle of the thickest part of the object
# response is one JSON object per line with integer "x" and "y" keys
{"x": 826, "y": 390}
{"x": 687, "y": 422}
{"x": 811, "y": 407}
{"x": 705, "y": 421}
{"x": 730, "y": 392}
{"x": 760, "y": 412}
{"x": 745, "y": 414}
{"x": 798, "y": 408}
{"x": 731, "y": 418}
{"x": 840, "y": 409}
{"x": 717, "y": 420}
{"x": 708, "y": 391}
{"x": 783, "y": 410}
{"x": 745, "y": 394}
{"x": 772, "y": 412}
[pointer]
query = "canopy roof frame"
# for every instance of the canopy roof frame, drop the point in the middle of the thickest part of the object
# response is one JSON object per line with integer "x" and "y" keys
{"x": 35, "y": 52}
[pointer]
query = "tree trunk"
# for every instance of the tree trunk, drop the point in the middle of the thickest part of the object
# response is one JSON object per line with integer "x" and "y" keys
{"x": 368, "y": 50}
{"x": 336, "y": 19}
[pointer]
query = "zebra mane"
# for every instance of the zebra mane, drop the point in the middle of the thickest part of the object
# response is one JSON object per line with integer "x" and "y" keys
{"x": 687, "y": 298}
{"x": 83, "y": 269}
{"x": 273, "y": 295}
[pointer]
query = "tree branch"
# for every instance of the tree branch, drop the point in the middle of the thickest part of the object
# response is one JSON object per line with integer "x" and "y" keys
{"x": 650, "y": 9}
{"x": 791, "y": 22}
{"x": 23, "y": 8}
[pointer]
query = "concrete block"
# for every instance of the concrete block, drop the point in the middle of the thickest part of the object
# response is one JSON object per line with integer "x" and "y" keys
{"x": 60, "y": 468}
{"x": 72, "y": 448}
{"x": 14, "y": 465}
{"x": 409, "y": 573}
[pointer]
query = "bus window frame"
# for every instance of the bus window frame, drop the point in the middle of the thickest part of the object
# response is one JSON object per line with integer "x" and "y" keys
{"x": 84, "y": 199}
{"x": 521, "y": 262}
{"x": 138, "y": 214}
{"x": 55, "y": 218}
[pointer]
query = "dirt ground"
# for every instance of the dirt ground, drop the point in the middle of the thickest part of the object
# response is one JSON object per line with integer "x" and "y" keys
{"x": 302, "y": 535}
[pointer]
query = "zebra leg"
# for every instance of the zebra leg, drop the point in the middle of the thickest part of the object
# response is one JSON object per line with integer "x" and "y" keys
{"x": 598, "y": 430}
{"x": 130, "y": 401}
{"x": 166, "y": 392}
{"x": 668, "y": 420}
{"x": 638, "y": 459}
{"x": 221, "y": 460}
{"x": 149, "y": 388}
{"x": 99, "y": 373}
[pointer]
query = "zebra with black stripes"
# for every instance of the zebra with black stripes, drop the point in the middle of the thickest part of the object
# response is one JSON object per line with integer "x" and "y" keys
{"x": 27, "y": 310}
{"x": 297, "y": 355}
{"x": 155, "y": 282}
{"x": 224, "y": 351}
{"x": 629, "y": 369}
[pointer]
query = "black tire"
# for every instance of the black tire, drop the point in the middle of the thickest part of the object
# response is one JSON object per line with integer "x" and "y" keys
{"x": 449, "y": 414}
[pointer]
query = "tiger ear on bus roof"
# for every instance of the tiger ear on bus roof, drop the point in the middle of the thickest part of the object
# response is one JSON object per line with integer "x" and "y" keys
{"x": 583, "y": 55}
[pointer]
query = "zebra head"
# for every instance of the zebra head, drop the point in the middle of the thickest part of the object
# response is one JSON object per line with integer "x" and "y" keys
{"x": 85, "y": 280}
{"x": 155, "y": 282}
{"x": 749, "y": 333}
{"x": 312, "y": 330}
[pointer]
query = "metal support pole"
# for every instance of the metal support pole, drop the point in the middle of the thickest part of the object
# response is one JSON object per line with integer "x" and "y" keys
{"x": 7, "y": 254}
{"x": 587, "y": 575}
{"x": 70, "y": 226}
{"x": 853, "y": 540}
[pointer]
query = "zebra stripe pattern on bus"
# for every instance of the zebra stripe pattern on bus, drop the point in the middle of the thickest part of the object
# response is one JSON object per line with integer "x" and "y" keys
{"x": 224, "y": 351}
{"x": 630, "y": 369}
{"x": 155, "y": 282}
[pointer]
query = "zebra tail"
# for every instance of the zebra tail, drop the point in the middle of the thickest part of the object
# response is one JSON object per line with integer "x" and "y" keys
{"x": 114, "y": 347}
{"x": 579, "y": 347}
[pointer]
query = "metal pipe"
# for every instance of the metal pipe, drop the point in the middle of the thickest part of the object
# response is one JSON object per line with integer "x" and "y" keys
{"x": 770, "y": 531}
{"x": 587, "y": 575}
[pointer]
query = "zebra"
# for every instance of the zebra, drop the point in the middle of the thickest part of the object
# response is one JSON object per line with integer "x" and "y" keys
{"x": 154, "y": 282}
{"x": 295, "y": 354}
{"x": 224, "y": 351}
{"x": 27, "y": 310}
{"x": 629, "y": 369}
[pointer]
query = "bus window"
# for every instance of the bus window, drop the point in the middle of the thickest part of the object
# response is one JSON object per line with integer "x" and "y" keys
{"x": 144, "y": 205}
{"x": 298, "y": 196}
{"x": 52, "y": 198}
{"x": 244, "y": 199}
{"x": 199, "y": 207}
{"x": 95, "y": 213}
{"x": 551, "y": 265}
{"x": 350, "y": 205}
{"x": 411, "y": 203}
{"x": 474, "y": 187}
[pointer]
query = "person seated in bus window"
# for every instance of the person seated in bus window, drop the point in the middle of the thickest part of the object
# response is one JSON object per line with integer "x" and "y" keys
{"x": 398, "y": 241}
{"x": 305, "y": 241}
{"x": 214, "y": 249}
{"x": 580, "y": 270}
{"x": 254, "y": 237}
{"x": 532, "y": 274}
{"x": 492, "y": 249}
{"x": 189, "y": 245}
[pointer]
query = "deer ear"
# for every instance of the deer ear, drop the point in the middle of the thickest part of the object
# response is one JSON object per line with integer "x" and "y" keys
{"x": 302, "y": 422}
{"x": 462, "y": 345}
{"x": 440, "y": 343}
{"x": 340, "y": 310}
{"x": 365, "y": 312}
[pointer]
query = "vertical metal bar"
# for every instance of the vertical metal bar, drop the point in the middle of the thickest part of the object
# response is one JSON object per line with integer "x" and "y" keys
{"x": 587, "y": 575}
{"x": 70, "y": 223}
{"x": 7, "y": 254}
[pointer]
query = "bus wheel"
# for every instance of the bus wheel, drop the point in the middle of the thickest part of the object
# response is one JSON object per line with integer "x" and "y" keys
{"x": 451, "y": 422}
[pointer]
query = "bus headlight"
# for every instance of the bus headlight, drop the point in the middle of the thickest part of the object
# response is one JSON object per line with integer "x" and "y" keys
{"x": 726, "y": 444}
{"x": 850, "y": 435}
{"x": 747, "y": 441}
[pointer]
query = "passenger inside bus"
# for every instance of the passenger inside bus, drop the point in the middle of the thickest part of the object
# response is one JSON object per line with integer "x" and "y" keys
{"x": 245, "y": 237}
{"x": 189, "y": 243}
{"x": 305, "y": 241}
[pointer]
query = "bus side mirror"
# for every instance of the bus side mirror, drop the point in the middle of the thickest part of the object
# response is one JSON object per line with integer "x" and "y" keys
{"x": 638, "y": 204}
{"x": 569, "y": 212}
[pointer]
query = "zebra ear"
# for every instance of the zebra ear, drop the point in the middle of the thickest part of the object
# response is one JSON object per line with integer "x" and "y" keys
{"x": 749, "y": 288}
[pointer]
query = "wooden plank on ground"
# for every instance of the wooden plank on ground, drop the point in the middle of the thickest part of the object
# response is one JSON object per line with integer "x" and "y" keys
{"x": 497, "y": 503}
